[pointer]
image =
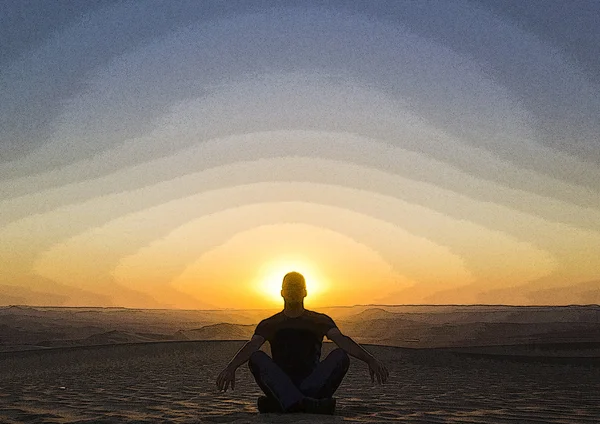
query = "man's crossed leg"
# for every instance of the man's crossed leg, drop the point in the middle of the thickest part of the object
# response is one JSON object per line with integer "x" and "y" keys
{"x": 279, "y": 387}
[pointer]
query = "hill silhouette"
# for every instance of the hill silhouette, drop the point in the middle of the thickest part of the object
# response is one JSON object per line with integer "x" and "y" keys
{"x": 222, "y": 331}
{"x": 423, "y": 326}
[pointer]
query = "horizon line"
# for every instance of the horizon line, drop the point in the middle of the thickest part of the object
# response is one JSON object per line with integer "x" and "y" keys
{"x": 321, "y": 307}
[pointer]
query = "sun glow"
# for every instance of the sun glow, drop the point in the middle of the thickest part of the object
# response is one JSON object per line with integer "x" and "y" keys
{"x": 270, "y": 278}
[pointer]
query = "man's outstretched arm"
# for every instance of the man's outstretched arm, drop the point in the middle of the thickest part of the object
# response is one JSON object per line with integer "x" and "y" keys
{"x": 227, "y": 376}
{"x": 376, "y": 368}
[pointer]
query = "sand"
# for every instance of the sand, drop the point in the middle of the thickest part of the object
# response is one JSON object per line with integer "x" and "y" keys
{"x": 174, "y": 382}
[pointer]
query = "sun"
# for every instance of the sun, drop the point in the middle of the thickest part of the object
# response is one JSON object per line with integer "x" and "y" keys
{"x": 270, "y": 277}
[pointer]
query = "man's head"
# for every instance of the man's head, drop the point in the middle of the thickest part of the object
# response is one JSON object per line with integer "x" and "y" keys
{"x": 293, "y": 288}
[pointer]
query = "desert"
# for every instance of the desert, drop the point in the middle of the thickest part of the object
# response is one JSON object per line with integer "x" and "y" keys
{"x": 174, "y": 382}
{"x": 120, "y": 375}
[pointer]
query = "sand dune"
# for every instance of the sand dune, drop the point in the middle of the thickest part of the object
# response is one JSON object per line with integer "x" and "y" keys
{"x": 174, "y": 382}
{"x": 24, "y": 328}
{"x": 222, "y": 331}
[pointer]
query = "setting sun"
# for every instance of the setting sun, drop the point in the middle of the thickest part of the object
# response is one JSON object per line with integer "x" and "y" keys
{"x": 270, "y": 277}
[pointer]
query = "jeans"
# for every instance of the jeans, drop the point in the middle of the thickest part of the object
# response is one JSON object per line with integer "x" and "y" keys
{"x": 321, "y": 383}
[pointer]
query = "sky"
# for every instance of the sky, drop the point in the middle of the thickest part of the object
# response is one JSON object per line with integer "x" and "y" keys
{"x": 158, "y": 154}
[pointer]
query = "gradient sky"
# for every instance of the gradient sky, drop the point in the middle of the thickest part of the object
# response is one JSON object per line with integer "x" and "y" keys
{"x": 188, "y": 154}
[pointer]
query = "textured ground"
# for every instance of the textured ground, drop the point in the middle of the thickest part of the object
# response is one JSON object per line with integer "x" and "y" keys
{"x": 174, "y": 382}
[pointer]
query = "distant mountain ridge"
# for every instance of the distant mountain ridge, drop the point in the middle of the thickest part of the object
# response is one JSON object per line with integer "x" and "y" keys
{"x": 373, "y": 313}
{"x": 23, "y": 327}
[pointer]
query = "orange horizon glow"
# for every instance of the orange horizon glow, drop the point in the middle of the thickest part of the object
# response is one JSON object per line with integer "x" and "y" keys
{"x": 189, "y": 268}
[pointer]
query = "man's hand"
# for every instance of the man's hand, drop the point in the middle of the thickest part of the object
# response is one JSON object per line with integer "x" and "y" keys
{"x": 226, "y": 378}
{"x": 377, "y": 369}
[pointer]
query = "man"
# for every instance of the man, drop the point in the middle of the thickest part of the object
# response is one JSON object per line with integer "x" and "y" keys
{"x": 294, "y": 380}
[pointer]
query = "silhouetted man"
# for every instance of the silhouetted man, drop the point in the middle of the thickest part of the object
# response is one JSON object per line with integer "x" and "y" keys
{"x": 295, "y": 380}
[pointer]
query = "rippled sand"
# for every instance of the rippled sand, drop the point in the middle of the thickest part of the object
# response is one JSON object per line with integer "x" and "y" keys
{"x": 174, "y": 382}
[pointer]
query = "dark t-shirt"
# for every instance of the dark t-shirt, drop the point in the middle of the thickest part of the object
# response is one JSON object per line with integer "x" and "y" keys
{"x": 296, "y": 342}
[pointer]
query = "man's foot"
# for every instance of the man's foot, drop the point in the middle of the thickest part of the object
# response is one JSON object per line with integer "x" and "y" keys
{"x": 268, "y": 404}
{"x": 318, "y": 406}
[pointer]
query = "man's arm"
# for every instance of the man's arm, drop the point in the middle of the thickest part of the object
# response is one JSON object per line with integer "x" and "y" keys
{"x": 376, "y": 368}
{"x": 244, "y": 353}
{"x": 227, "y": 376}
